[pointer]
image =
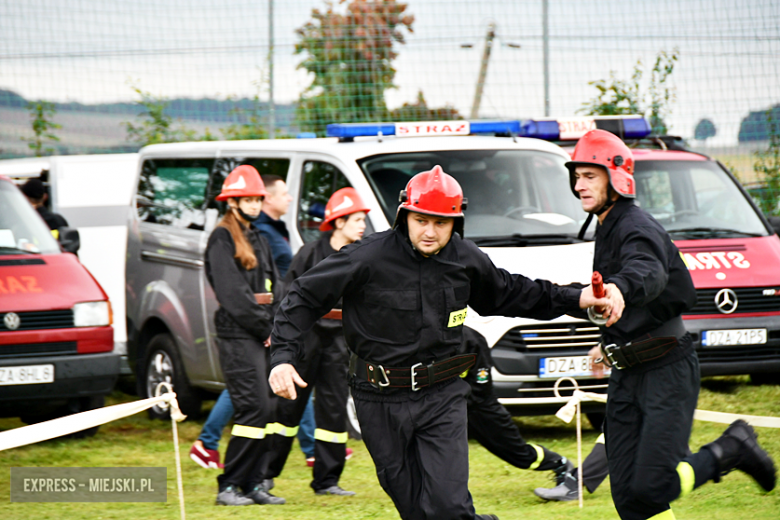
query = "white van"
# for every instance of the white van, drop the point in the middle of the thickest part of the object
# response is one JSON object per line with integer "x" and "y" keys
{"x": 521, "y": 212}
{"x": 93, "y": 193}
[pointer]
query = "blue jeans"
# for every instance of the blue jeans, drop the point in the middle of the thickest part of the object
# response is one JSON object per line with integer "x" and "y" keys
{"x": 220, "y": 415}
{"x": 223, "y": 410}
{"x": 306, "y": 430}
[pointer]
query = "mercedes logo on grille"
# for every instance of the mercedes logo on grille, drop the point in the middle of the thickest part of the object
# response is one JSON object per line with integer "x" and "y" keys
{"x": 12, "y": 321}
{"x": 726, "y": 301}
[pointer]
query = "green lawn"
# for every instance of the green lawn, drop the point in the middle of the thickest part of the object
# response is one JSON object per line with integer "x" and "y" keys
{"x": 497, "y": 487}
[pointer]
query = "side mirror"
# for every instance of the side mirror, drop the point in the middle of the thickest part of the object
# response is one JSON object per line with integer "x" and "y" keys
{"x": 69, "y": 239}
{"x": 775, "y": 223}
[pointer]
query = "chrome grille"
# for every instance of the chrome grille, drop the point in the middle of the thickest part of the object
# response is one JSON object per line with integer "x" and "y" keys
{"x": 749, "y": 299}
{"x": 552, "y": 336}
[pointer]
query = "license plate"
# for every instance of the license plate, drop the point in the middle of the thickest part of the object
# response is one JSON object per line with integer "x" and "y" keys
{"x": 714, "y": 338}
{"x": 566, "y": 366}
{"x": 26, "y": 375}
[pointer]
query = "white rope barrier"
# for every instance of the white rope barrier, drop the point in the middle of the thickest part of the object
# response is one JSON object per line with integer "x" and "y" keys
{"x": 573, "y": 407}
{"x": 82, "y": 421}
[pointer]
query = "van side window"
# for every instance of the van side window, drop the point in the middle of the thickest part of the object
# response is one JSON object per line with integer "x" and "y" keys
{"x": 224, "y": 165}
{"x": 171, "y": 191}
{"x": 319, "y": 181}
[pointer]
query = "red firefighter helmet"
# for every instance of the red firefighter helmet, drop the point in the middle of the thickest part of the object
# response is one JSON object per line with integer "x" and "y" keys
{"x": 602, "y": 148}
{"x": 343, "y": 202}
{"x": 243, "y": 181}
{"x": 433, "y": 193}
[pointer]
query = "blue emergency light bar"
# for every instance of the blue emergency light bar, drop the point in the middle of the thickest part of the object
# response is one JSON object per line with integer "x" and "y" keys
{"x": 626, "y": 127}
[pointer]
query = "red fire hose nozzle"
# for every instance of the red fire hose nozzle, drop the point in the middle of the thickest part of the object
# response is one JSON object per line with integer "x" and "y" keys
{"x": 595, "y": 313}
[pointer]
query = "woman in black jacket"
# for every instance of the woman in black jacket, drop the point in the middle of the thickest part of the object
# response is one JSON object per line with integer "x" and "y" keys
{"x": 240, "y": 269}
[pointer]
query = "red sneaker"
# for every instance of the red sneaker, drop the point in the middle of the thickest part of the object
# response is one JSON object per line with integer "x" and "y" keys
{"x": 204, "y": 457}
{"x": 310, "y": 461}
{"x": 349, "y": 454}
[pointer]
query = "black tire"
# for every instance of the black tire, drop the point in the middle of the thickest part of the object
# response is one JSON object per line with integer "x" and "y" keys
{"x": 596, "y": 419}
{"x": 765, "y": 378}
{"x": 163, "y": 364}
{"x": 77, "y": 405}
{"x": 353, "y": 426}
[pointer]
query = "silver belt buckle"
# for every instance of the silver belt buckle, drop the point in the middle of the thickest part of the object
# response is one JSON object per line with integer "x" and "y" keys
{"x": 608, "y": 353}
{"x": 414, "y": 381}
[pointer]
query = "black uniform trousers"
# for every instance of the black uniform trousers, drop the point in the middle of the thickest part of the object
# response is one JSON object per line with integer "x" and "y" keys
{"x": 324, "y": 367}
{"x": 245, "y": 364}
{"x": 648, "y": 424}
{"x": 419, "y": 445}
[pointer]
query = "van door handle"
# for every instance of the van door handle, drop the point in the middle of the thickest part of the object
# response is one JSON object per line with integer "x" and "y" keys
{"x": 180, "y": 261}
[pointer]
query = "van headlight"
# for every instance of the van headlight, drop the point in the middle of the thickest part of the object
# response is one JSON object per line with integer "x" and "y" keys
{"x": 92, "y": 314}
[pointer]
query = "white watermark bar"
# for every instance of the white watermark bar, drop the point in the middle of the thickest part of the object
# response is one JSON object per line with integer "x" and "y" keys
{"x": 89, "y": 484}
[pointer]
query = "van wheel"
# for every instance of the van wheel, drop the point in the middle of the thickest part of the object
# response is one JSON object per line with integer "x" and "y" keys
{"x": 353, "y": 426}
{"x": 163, "y": 365}
{"x": 765, "y": 378}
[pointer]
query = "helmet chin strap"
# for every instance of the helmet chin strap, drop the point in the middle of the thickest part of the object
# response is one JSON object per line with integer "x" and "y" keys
{"x": 604, "y": 207}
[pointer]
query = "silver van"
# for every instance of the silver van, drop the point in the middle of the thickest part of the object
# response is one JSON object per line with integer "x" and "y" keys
{"x": 520, "y": 212}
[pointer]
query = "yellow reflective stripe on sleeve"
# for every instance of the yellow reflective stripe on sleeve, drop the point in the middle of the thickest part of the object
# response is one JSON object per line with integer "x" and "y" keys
{"x": 55, "y": 233}
{"x": 328, "y": 436}
{"x": 687, "y": 478}
{"x": 539, "y": 456}
{"x": 250, "y": 432}
{"x": 464, "y": 374}
{"x": 600, "y": 440}
{"x": 457, "y": 317}
{"x": 268, "y": 285}
{"x": 281, "y": 429}
{"x": 666, "y": 515}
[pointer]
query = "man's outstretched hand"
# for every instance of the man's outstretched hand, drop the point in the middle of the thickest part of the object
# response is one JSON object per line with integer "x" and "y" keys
{"x": 612, "y": 303}
{"x": 283, "y": 379}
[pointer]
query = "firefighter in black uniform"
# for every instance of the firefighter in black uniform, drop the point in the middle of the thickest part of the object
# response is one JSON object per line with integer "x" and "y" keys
{"x": 654, "y": 383}
{"x": 491, "y": 424}
{"x": 405, "y": 296}
{"x": 240, "y": 268}
{"x": 325, "y": 358}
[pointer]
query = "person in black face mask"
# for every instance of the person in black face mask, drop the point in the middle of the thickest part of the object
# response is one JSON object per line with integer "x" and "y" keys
{"x": 240, "y": 268}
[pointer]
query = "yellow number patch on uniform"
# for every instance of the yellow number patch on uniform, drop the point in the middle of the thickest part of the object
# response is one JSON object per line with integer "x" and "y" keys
{"x": 268, "y": 285}
{"x": 457, "y": 318}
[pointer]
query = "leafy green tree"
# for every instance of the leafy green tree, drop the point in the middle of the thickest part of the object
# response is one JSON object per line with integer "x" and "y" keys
{"x": 704, "y": 130}
{"x": 43, "y": 126}
{"x": 618, "y": 97}
{"x": 155, "y": 125}
{"x": 350, "y": 52}
{"x": 767, "y": 166}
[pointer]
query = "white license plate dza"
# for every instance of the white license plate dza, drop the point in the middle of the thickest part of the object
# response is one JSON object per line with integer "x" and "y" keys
{"x": 555, "y": 367}
{"x": 714, "y": 338}
{"x": 26, "y": 375}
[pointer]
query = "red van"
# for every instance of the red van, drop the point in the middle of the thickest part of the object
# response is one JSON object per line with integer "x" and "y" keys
{"x": 56, "y": 339}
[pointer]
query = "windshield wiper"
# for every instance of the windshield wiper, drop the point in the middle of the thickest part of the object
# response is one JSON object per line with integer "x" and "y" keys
{"x": 6, "y": 249}
{"x": 712, "y": 231}
{"x": 520, "y": 240}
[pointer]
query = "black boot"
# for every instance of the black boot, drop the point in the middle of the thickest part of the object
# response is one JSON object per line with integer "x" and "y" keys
{"x": 486, "y": 517}
{"x": 738, "y": 449}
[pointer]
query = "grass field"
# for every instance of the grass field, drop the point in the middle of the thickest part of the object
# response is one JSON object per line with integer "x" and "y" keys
{"x": 497, "y": 487}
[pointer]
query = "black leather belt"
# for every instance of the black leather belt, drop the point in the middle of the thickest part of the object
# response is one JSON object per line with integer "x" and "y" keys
{"x": 653, "y": 345}
{"x": 415, "y": 377}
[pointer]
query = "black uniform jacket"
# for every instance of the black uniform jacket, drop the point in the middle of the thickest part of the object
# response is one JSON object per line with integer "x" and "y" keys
{"x": 307, "y": 257}
{"x": 635, "y": 252}
{"x": 239, "y": 315}
{"x": 401, "y": 308}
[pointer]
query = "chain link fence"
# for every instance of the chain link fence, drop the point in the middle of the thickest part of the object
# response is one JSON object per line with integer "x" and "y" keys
{"x": 95, "y": 70}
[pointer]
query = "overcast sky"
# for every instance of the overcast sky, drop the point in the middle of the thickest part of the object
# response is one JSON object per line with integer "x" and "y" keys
{"x": 90, "y": 50}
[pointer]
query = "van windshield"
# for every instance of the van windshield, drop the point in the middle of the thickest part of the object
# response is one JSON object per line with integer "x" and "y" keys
{"x": 514, "y": 196}
{"x": 695, "y": 199}
{"x": 22, "y": 231}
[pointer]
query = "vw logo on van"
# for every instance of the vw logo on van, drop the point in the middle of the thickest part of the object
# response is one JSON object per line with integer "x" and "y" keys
{"x": 726, "y": 301}
{"x": 12, "y": 321}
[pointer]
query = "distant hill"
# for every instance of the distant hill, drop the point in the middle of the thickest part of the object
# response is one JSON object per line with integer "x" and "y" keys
{"x": 204, "y": 110}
